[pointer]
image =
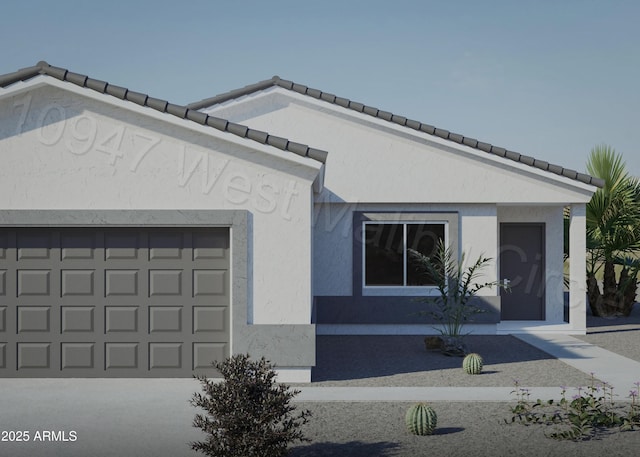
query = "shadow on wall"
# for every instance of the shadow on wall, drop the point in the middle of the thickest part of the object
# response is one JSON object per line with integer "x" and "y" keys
{"x": 343, "y": 357}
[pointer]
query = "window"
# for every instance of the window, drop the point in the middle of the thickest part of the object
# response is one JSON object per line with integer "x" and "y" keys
{"x": 386, "y": 262}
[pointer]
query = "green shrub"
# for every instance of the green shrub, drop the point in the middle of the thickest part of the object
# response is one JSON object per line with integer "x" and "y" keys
{"x": 456, "y": 282}
{"x": 421, "y": 419}
{"x": 247, "y": 413}
{"x": 588, "y": 415}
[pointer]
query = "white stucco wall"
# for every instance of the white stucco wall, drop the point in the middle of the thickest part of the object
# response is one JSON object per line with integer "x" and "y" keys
{"x": 375, "y": 161}
{"x": 64, "y": 150}
{"x": 377, "y": 165}
{"x": 552, "y": 217}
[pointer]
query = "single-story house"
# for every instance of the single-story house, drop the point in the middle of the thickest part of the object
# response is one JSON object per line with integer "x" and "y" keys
{"x": 139, "y": 238}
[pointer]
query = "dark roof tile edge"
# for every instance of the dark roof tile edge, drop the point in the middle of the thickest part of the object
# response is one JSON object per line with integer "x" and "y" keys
{"x": 20, "y": 75}
{"x": 416, "y": 125}
{"x": 116, "y": 91}
{"x": 183, "y": 112}
{"x": 77, "y": 78}
{"x": 410, "y": 123}
{"x": 137, "y": 98}
{"x": 221, "y": 98}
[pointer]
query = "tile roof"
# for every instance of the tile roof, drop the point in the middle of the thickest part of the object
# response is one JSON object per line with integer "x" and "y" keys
{"x": 183, "y": 112}
{"x": 401, "y": 120}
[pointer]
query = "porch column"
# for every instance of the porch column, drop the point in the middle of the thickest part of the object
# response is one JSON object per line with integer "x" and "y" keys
{"x": 578, "y": 267}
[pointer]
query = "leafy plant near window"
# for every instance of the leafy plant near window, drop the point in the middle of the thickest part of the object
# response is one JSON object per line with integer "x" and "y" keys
{"x": 248, "y": 415}
{"x": 456, "y": 287}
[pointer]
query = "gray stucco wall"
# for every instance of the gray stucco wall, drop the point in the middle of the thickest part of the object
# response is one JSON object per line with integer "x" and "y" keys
{"x": 392, "y": 310}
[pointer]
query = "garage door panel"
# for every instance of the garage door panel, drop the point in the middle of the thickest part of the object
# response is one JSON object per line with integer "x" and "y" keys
{"x": 113, "y": 302}
{"x": 121, "y": 282}
{"x": 78, "y": 356}
{"x": 209, "y": 282}
{"x": 166, "y": 355}
{"x": 121, "y": 319}
{"x": 122, "y": 245}
{"x": 74, "y": 319}
{"x": 4, "y": 244}
{"x": 77, "y": 245}
{"x": 163, "y": 319}
{"x": 34, "y": 245}
{"x": 34, "y": 319}
{"x": 165, "y": 282}
{"x": 210, "y": 319}
{"x": 211, "y": 244}
{"x": 165, "y": 245}
{"x": 206, "y": 353}
{"x": 121, "y": 355}
{"x": 77, "y": 283}
{"x": 34, "y": 282}
{"x": 34, "y": 355}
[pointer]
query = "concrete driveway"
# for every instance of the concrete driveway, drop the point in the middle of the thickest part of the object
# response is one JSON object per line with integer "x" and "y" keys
{"x": 110, "y": 417}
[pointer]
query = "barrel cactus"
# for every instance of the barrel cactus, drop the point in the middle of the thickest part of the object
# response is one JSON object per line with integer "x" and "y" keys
{"x": 472, "y": 364}
{"x": 421, "y": 419}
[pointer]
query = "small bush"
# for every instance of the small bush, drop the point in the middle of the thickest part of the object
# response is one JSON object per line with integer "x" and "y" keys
{"x": 248, "y": 414}
{"x": 591, "y": 413}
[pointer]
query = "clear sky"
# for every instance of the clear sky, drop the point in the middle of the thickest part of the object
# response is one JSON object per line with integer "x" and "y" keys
{"x": 547, "y": 78}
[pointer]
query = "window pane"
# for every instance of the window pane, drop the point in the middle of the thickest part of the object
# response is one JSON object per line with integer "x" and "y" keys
{"x": 424, "y": 239}
{"x": 384, "y": 261}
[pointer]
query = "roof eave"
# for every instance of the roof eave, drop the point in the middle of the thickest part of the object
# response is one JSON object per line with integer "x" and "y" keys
{"x": 236, "y": 93}
{"x": 163, "y": 106}
{"x": 20, "y": 75}
{"x": 402, "y": 121}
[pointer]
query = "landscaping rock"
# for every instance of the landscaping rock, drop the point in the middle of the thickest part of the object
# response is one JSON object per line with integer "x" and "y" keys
{"x": 454, "y": 347}
{"x": 433, "y": 343}
{"x": 448, "y": 345}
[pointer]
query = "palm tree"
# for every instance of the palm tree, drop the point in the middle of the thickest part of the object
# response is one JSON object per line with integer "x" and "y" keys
{"x": 613, "y": 234}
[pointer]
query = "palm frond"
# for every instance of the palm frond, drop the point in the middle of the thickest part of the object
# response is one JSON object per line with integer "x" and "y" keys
{"x": 613, "y": 213}
{"x": 456, "y": 284}
{"x": 607, "y": 165}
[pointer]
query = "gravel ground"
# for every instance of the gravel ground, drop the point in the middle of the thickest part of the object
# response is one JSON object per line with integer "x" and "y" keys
{"x": 619, "y": 335}
{"x": 402, "y": 361}
{"x": 476, "y": 429}
{"x": 464, "y": 429}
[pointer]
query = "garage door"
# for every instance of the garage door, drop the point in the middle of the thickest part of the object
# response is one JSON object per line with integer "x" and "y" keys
{"x": 114, "y": 302}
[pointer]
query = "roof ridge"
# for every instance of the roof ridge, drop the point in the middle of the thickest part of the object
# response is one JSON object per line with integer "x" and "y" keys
{"x": 235, "y": 93}
{"x": 400, "y": 120}
{"x": 180, "y": 111}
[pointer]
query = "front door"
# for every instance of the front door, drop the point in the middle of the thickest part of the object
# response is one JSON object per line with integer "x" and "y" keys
{"x": 522, "y": 266}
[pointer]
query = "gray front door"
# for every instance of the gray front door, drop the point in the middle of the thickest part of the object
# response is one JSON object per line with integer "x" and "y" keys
{"x": 113, "y": 302}
{"x": 522, "y": 264}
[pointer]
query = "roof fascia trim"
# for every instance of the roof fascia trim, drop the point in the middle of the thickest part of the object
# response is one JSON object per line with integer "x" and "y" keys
{"x": 405, "y": 122}
{"x": 414, "y": 135}
{"x": 42, "y": 81}
{"x": 162, "y": 106}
